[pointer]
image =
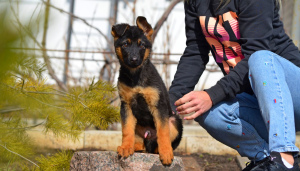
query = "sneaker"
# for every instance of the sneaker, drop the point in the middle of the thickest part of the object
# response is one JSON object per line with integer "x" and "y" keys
{"x": 253, "y": 164}
{"x": 274, "y": 163}
{"x": 249, "y": 166}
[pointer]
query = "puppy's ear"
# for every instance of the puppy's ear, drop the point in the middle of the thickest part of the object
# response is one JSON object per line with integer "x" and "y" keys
{"x": 142, "y": 23}
{"x": 118, "y": 30}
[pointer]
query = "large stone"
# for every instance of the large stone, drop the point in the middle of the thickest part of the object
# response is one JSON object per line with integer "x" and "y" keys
{"x": 108, "y": 160}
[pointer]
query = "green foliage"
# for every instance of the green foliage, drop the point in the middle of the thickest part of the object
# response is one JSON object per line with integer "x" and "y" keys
{"x": 15, "y": 140}
{"x": 92, "y": 101}
{"x": 12, "y": 136}
{"x": 24, "y": 96}
{"x": 57, "y": 162}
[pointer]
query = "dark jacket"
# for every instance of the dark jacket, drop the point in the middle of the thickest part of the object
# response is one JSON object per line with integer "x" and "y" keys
{"x": 231, "y": 34}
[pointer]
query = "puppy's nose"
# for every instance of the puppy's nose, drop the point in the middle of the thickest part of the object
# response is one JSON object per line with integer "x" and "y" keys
{"x": 134, "y": 59}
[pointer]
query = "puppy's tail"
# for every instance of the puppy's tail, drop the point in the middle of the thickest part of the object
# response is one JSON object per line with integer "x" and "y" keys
{"x": 151, "y": 145}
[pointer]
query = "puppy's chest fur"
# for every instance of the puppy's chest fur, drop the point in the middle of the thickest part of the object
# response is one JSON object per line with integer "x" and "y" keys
{"x": 140, "y": 98}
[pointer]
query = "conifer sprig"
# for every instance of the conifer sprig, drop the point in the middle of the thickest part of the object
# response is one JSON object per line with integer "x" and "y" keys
{"x": 25, "y": 96}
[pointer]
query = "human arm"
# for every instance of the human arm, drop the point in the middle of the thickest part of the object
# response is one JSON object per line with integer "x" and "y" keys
{"x": 194, "y": 59}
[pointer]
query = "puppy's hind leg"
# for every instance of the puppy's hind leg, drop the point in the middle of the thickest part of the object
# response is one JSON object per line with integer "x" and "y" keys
{"x": 139, "y": 144}
{"x": 161, "y": 120}
{"x": 176, "y": 129}
{"x": 175, "y": 125}
{"x": 163, "y": 138}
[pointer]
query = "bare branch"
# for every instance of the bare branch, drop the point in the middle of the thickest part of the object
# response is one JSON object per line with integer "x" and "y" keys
{"x": 45, "y": 56}
{"x": 164, "y": 17}
{"x": 4, "y": 146}
{"x": 29, "y": 127}
{"x": 86, "y": 46}
{"x": 11, "y": 110}
{"x": 81, "y": 19}
{"x": 24, "y": 92}
{"x": 49, "y": 93}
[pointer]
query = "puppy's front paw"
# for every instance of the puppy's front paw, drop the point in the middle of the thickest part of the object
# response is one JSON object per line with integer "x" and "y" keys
{"x": 125, "y": 151}
{"x": 166, "y": 155}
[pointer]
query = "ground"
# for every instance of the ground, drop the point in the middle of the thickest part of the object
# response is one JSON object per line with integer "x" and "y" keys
{"x": 209, "y": 162}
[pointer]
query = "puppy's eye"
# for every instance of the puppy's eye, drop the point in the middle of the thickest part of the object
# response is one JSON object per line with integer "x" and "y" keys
{"x": 125, "y": 44}
{"x": 142, "y": 45}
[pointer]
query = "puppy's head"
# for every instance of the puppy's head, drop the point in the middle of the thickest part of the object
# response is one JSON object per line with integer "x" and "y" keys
{"x": 133, "y": 43}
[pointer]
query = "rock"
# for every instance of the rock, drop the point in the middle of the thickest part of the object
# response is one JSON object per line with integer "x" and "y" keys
{"x": 108, "y": 160}
{"x": 241, "y": 161}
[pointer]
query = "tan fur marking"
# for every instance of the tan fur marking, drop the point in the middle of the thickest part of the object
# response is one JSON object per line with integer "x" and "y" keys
{"x": 147, "y": 54}
{"x": 156, "y": 150}
{"x": 128, "y": 134}
{"x": 163, "y": 137}
{"x": 150, "y": 94}
{"x": 173, "y": 130}
{"x": 126, "y": 93}
{"x": 128, "y": 127}
{"x": 139, "y": 143}
{"x": 114, "y": 35}
{"x": 119, "y": 54}
{"x": 149, "y": 35}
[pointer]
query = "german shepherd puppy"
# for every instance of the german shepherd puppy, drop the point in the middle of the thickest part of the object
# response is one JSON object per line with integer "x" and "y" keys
{"x": 148, "y": 124}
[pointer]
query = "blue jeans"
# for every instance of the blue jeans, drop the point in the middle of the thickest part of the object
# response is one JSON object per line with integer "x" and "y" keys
{"x": 257, "y": 124}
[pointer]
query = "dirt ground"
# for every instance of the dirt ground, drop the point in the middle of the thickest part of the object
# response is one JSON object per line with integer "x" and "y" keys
{"x": 209, "y": 162}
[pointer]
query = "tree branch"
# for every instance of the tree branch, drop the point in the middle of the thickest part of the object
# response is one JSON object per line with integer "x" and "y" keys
{"x": 19, "y": 155}
{"x": 29, "y": 127}
{"x": 45, "y": 56}
{"x": 11, "y": 110}
{"x": 81, "y": 19}
{"x": 25, "y": 93}
{"x": 163, "y": 18}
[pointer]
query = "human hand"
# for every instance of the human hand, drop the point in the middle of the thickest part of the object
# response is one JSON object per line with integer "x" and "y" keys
{"x": 195, "y": 101}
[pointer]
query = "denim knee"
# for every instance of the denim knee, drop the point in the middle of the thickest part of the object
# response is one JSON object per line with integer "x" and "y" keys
{"x": 208, "y": 121}
{"x": 215, "y": 119}
{"x": 258, "y": 58}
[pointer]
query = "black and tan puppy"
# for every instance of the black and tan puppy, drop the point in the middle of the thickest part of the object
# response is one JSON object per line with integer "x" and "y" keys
{"x": 147, "y": 120}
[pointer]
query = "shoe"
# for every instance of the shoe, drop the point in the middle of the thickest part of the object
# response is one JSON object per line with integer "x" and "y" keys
{"x": 274, "y": 163}
{"x": 253, "y": 164}
{"x": 249, "y": 166}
